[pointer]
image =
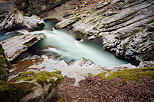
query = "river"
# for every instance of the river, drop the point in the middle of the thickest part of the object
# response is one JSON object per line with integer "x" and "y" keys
{"x": 64, "y": 44}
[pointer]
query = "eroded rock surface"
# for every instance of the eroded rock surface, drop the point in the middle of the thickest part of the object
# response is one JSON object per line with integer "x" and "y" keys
{"x": 78, "y": 69}
{"x": 125, "y": 26}
{"x": 20, "y": 43}
{"x": 29, "y": 7}
{"x": 11, "y": 18}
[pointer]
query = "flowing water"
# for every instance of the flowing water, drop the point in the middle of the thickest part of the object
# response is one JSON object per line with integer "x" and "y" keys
{"x": 64, "y": 44}
{"x": 4, "y": 36}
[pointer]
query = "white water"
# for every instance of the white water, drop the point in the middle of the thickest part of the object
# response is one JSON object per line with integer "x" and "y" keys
{"x": 64, "y": 44}
{"x": 69, "y": 48}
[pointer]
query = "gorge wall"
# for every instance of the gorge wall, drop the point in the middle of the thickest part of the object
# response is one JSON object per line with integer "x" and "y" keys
{"x": 126, "y": 27}
{"x": 12, "y": 19}
{"x": 29, "y": 7}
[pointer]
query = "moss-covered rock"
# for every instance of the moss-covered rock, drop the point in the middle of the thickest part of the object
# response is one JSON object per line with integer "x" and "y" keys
{"x": 4, "y": 65}
{"x": 30, "y": 86}
{"x": 42, "y": 77}
{"x": 12, "y": 92}
{"x": 129, "y": 74}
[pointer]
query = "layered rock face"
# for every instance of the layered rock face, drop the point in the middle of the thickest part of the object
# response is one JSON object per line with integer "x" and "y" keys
{"x": 37, "y": 6}
{"x": 16, "y": 45}
{"x": 11, "y": 18}
{"x": 125, "y": 26}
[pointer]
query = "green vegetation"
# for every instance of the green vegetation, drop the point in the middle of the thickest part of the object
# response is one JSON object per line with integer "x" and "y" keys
{"x": 129, "y": 74}
{"x": 151, "y": 21}
{"x": 141, "y": 25}
{"x": 106, "y": 25}
{"x": 3, "y": 74}
{"x": 102, "y": 75}
{"x": 135, "y": 31}
{"x": 62, "y": 100}
{"x": 13, "y": 92}
{"x": 25, "y": 82}
{"x": 41, "y": 77}
{"x": 131, "y": 1}
{"x": 4, "y": 65}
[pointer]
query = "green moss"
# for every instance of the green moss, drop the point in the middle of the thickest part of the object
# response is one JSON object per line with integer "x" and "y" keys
{"x": 42, "y": 77}
{"x": 102, "y": 75}
{"x": 89, "y": 74}
{"x": 3, "y": 74}
{"x": 131, "y": 1}
{"x": 4, "y": 65}
{"x": 13, "y": 92}
{"x": 26, "y": 74}
{"x": 3, "y": 58}
{"x": 135, "y": 31}
{"x": 62, "y": 100}
{"x": 130, "y": 74}
{"x": 15, "y": 10}
{"x": 106, "y": 25}
{"x": 151, "y": 21}
{"x": 52, "y": 1}
{"x": 141, "y": 25}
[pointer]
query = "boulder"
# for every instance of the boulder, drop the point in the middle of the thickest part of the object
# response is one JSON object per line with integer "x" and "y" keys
{"x": 31, "y": 87}
{"x": 32, "y": 23}
{"x": 20, "y": 43}
{"x": 11, "y": 19}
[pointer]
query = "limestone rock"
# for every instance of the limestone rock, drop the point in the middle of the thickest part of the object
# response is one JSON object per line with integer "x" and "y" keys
{"x": 29, "y": 7}
{"x": 32, "y": 23}
{"x": 20, "y": 43}
{"x": 125, "y": 26}
{"x": 31, "y": 86}
{"x": 146, "y": 64}
{"x": 11, "y": 18}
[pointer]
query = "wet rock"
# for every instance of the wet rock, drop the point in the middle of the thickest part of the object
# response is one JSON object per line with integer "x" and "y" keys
{"x": 20, "y": 43}
{"x": 30, "y": 86}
